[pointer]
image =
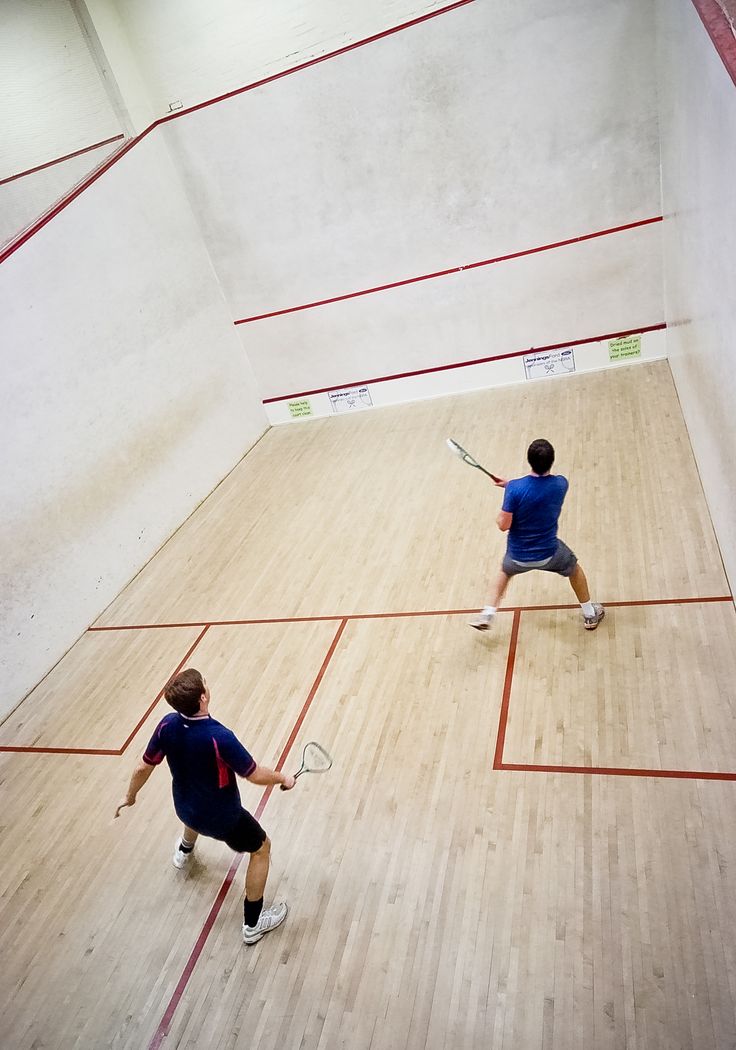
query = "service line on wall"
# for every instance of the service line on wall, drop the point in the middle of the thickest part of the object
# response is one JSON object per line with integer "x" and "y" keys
{"x": 451, "y": 270}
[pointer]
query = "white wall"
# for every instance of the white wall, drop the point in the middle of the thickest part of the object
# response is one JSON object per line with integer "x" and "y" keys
{"x": 53, "y": 103}
{"x": 698, "y": 120}
{"x": 126, "y": 399}
{"x": 24, "y": 200}
{"x": 191, "y": 51}
{"x": 484, "y": 131}
{"x": 53, "y": 100}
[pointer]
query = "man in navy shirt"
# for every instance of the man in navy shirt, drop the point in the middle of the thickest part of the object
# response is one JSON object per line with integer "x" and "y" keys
{"x": 530, "y": 512}
{"x": 204, "y": 758}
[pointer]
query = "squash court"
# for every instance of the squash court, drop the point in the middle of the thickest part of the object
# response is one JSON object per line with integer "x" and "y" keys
{"x": 458, "y": 879}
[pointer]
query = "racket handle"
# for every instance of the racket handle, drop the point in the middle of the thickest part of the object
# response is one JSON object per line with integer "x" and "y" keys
{"x": 296, "y": 776}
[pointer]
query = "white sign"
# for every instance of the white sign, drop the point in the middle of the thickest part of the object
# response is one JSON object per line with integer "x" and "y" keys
{"x": 549, "y": 363}
{"x": 347, "y": 400}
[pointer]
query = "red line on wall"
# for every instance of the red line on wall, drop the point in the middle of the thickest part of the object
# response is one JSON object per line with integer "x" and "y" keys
{"x": 14, "y": 245}
{"x": 451, "y": 270}
{"x": 617, "y": 771}
{"x": 508, "y": 680}
{"x": 468, "y": 364}
{"x": 719, "y": 30}
{"x": 165, "y": 1023}
{"x": 60, "y": 160}
{"x": 46, "y": 218}
{"x": 315, "y": 61}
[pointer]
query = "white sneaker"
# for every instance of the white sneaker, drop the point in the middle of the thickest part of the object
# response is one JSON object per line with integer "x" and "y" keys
{"x": 180, "y": 858}
{"x": 483, "y": 621}
{"x": 591, "y": 622}
{"x": 269, "y": 919}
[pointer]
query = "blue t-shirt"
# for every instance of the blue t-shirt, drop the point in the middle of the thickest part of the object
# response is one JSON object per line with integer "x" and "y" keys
{"x": 535, "y": 504}
{"x": 203, "y": 757}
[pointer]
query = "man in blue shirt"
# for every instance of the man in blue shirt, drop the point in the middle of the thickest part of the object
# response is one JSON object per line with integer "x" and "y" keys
{"x": 204, "y": 758}
{"x": 530, "y": 512}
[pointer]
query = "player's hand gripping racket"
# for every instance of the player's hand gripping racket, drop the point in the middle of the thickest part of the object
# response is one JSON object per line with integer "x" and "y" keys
{"x": 314, "y": 760}
{"x": 467, "y": 458}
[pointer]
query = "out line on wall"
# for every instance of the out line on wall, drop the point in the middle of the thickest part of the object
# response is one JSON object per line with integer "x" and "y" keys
{"x": 60, "y": 160}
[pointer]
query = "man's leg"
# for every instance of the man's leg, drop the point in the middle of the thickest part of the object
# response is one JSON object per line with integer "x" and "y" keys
{"x": 484, "y": 619}
{"x": 257, "y": 873}
{"x": 258, "y": 920}
{"x": 183, "y": 848}
{"x": 593, "y": 613}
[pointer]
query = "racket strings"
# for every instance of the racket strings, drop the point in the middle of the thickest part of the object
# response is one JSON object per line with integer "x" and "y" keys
{"x": 460, "y": 451}
{"x": 315, "y": 759}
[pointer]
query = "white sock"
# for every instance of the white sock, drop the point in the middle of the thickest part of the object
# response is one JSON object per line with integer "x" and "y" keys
{"x": 488, "y": 610}
{"x": 588, "y": 609}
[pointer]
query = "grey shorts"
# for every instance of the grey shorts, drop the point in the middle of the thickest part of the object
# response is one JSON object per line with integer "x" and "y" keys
{"x": 563, "y": 562}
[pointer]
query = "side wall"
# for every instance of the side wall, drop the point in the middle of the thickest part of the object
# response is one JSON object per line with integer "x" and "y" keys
{"x": 481, "y": 132}
{"x": 127, "y": 398}
{"x": 698, "y": 121}
{"x": 54, "y": 103}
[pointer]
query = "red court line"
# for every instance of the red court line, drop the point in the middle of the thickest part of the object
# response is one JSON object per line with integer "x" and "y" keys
{"x": 60, "y": 160}
{"x": 719, "y": 30}
{"x": 62, "y": 204}
{"x": 116, "y": 752}
{"x": 466, "y": 364}
{"x": 20, "y": 749}
{"x": 504, "y": 714}
{"x": 450, "y": 270}
{"x": 671, "y": 774}
{"x": 399, "y": 615}
{"x": 628, "y": 604}
{"x": 176, "y": 670}
{"x": 165, "y": 1023}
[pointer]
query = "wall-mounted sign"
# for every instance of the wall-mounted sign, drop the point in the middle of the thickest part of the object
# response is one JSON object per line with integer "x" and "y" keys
{"x": 347, "y": 400}
{"x": 549, "y": 363}
{"x": 300, "y": 408}
{"x": 629, "y": 346}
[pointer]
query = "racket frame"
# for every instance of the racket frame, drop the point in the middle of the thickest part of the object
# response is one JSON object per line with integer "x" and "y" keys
{"x": 458, "y": 450}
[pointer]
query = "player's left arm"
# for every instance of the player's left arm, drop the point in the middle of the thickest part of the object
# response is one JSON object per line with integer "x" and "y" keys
{"x": 506, "y": 514}
{"x": 140, "y": 775}
{"x": 153, "y": 756}
{"x": 504, "y": 519}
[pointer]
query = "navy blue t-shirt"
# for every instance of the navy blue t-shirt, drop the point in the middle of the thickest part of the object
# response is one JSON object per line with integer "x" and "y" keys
{"x": 535, "y": 504}
{"x": 204, "y": 757}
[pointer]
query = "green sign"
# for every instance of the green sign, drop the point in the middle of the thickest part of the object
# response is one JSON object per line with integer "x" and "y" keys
{"x": 619, "y": 349}
{"x": 300, "y": 408}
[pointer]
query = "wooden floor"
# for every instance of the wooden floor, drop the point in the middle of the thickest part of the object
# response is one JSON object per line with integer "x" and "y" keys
{"x": 527, "y": 840}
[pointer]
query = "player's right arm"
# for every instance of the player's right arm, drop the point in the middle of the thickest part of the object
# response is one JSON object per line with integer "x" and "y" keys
{"x": 265, "y": 777}
{"x": 243, "y": 763}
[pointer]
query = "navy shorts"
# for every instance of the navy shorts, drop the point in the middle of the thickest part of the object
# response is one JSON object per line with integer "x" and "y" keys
{"x": 563, "y": 562}
{"x": 247, "y": 836}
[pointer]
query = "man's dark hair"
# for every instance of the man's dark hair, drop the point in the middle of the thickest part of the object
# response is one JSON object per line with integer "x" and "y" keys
{"x": 541, "y": 456}
{"x": 184, "y": 691}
